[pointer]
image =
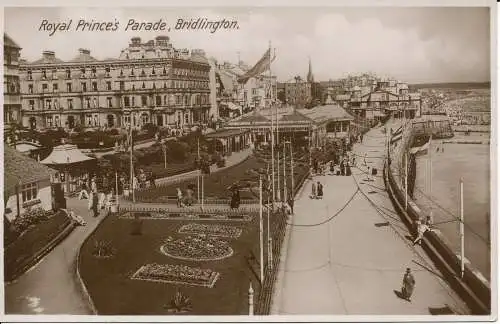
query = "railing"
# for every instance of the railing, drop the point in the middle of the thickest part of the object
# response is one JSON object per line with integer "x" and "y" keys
{"x": 473, "y": 287}
{"x": 278, "y": 229}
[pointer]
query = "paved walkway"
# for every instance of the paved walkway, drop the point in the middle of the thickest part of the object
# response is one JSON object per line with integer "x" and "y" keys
{"x": 51, "y": 287}
{"x": 349, "y": 257}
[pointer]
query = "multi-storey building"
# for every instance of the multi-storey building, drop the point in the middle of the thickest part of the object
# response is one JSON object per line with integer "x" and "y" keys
{"x": 300, "y": 92}
{"x": 148, "y": 83}
{"x": 11, "y": 84}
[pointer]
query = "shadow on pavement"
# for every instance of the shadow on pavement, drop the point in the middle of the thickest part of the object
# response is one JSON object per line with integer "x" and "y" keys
{"x": 446, "y": 310}
{"x": 382, "y": 224}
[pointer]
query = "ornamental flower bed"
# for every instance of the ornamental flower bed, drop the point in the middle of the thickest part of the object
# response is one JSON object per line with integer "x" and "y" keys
{"x": 177, "y": 274}
{"x": 214, "y": 230}
{"x": 197, "y": 248}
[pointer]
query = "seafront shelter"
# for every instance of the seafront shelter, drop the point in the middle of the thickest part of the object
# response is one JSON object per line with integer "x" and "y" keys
{"x": 228, "y": 141}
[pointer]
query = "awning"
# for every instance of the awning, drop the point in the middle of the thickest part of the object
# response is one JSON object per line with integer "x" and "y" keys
{"x": 65, "y": 154}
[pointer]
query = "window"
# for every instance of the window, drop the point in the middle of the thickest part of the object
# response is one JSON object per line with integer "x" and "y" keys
{"x": 32, "y": 104}
{"x": 44, "y": 74}
{"x": 108, "y": 85}
{"x": 126, "y": 101}
{"x": 55, "y": 87}
{"x": 56, "y": 104}
{"x": 143, "y": 73}
{"x": 153, "y": 71}
{"x": 107, "y": 72}
{"x": 70, "y": 103}
{"x": 164, "y": 71}
{"x": 144, "y": 101}
{"x": 48, "y": 104}
{"x": 88, "y": 102}
{"x": 158, "y": 100}
{"x": 30, "y": 88}
{"x": 82, "y": 71}
{"x": 29, "y": 191}
{"x": 132, "y": 72}
{"x": 56, "y": 121}
{"x": 54, "y": 74}
{"x": 110, "y": 103}
{"x": 30, "y": 75}
{"x": 186, "y": 118}
{"x": 94, "y": 103}
{"x": 94, "y": 71}
{"x": 84, "y": 86}
{"x": 121, "y": 72}
{"x": 68, "y": 74}
{"x": 94, "y": 86}
{"x": 44, "y": 87}
{"x": 68, "y": 87}
{"x": 88, "y": 119}
{"x": 48, "y": 121}
{"x": 133, "y": 101}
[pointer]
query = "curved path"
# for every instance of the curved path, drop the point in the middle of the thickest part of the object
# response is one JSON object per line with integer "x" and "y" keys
{"x": 51, "y": 286}
{"x": 352, "y": 260}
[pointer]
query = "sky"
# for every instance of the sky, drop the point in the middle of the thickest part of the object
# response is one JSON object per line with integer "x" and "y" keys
{"x": 416, "y": 45}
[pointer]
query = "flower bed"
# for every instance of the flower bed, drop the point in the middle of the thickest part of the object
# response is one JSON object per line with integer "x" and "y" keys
{"x": 214, "y": 230}
{"x": 176, "y": 274}
{"x": 197, "y": 248}
{"x": 219, "y": 216}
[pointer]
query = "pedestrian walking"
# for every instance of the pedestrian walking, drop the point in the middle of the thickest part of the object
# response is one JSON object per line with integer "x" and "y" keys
{"x": 179, "y": 197}
{"x": 290, "y": 203}
{"x": 313, "y": 190}
{"x": 94, "y": 202}
{"x": 408, "y": 285}
{"x": 320, "y": 190}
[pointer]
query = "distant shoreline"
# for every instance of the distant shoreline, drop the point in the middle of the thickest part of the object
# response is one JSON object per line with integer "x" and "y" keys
{"x": 452, "y": 85}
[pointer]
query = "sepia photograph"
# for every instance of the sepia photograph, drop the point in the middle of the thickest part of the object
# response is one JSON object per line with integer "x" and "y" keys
{"x": 292, "y": 162}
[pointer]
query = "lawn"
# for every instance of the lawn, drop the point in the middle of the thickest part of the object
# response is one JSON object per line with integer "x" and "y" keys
{"x": 109, "y": 282}
{"x": 217, "y": 185}
{"x": 32, "y": 243}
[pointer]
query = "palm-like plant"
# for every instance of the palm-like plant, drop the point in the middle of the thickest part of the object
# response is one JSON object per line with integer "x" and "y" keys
{"x": 180, "y": 303}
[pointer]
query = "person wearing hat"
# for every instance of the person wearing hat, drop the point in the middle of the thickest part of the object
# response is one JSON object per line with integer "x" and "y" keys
{"x": 408, "y": 285}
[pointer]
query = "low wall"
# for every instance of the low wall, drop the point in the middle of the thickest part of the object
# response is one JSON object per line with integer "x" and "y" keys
{"x": 473, "y": 287}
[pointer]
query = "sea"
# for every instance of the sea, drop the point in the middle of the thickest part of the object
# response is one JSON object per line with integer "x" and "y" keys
{"x": 471, "y": 162}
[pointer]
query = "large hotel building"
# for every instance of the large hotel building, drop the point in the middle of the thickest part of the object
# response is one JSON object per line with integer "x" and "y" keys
{"x": 149, "y": 82}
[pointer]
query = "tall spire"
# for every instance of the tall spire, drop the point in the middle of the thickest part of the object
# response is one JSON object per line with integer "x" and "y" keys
{"x": 310, "y": 76}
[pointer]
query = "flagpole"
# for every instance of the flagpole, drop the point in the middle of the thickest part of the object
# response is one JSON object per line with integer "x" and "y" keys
{"x": 261, "y": 225}
{"x": 278, "y": 193}
{"x": 462, "y": 236}
{"x": 132, "y": 165}
{"x": 291, "y": 162}
{"x": 430, "y": 175}
{"x": 406, "y": 181}
{"x": 284, "y": 173}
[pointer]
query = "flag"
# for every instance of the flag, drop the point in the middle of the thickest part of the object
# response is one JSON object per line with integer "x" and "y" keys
{"x": 262, "y": 65}
{"x": 421, "y": 150}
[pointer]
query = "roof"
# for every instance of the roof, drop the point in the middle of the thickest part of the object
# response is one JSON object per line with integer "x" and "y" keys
{"x": 9, "y": 42}
{"x": 226, "y": 80}
{"x": 251, "y": 117}
{"x": 65, "y": 154}
{"x": 199, "y": 58}
{"x": 325, "y": 113}
{"x": 342, "y": 97}
{"x": 226, "y": 133}
{"x": 295, "y": 116}
{"x": 83, "y": 57}
{"x": 26, "y": 147}
{"x": 19, "y": 168}
{"x": 47, "y": 60}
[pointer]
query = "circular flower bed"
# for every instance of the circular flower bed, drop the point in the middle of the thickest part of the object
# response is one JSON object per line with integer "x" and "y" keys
{"x": 197, "y": 248}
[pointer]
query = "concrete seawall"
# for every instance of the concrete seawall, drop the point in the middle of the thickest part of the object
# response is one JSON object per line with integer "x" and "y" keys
{"x": 473, "y": 287}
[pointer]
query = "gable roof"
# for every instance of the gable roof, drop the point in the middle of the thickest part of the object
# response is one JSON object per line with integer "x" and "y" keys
{"x": 295, "y": 116}
{"x": 9, "y": 42}
{"x": 18, "y": 168}
{"x": 252, "y": 117}
{"x": 83, "y": 57}
{"x": 47, "y": 60}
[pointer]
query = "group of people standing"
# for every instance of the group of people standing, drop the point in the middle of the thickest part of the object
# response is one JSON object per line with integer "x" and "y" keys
{"x": 316, "y": 190}
{"x": 96, "y": 200}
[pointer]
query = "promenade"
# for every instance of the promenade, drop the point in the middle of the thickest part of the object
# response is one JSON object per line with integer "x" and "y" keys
{"x": 346, "y": 254}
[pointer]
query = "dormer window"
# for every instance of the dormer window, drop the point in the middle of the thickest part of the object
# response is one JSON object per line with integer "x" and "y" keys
{"x": 30, "y": 75}
{"x": 94, "y": 71}
{"x": 68, "y": 74}
{"x": 143, "y": 73}
{"x": 44, "y": 74}
{"x": 121, "y": 72}
{"x": 143, "y": 85}
{"x": 153, "y": 72}
{"x": 132, "y": 72}
{"x": 164, "y": 71}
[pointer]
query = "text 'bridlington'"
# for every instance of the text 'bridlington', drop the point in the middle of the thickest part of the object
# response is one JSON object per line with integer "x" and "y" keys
{"x": 83, "y": 25}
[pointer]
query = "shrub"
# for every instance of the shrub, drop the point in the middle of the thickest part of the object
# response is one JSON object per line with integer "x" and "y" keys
{"x": 179, "y": 303}
{"x": 32, "y": 217}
